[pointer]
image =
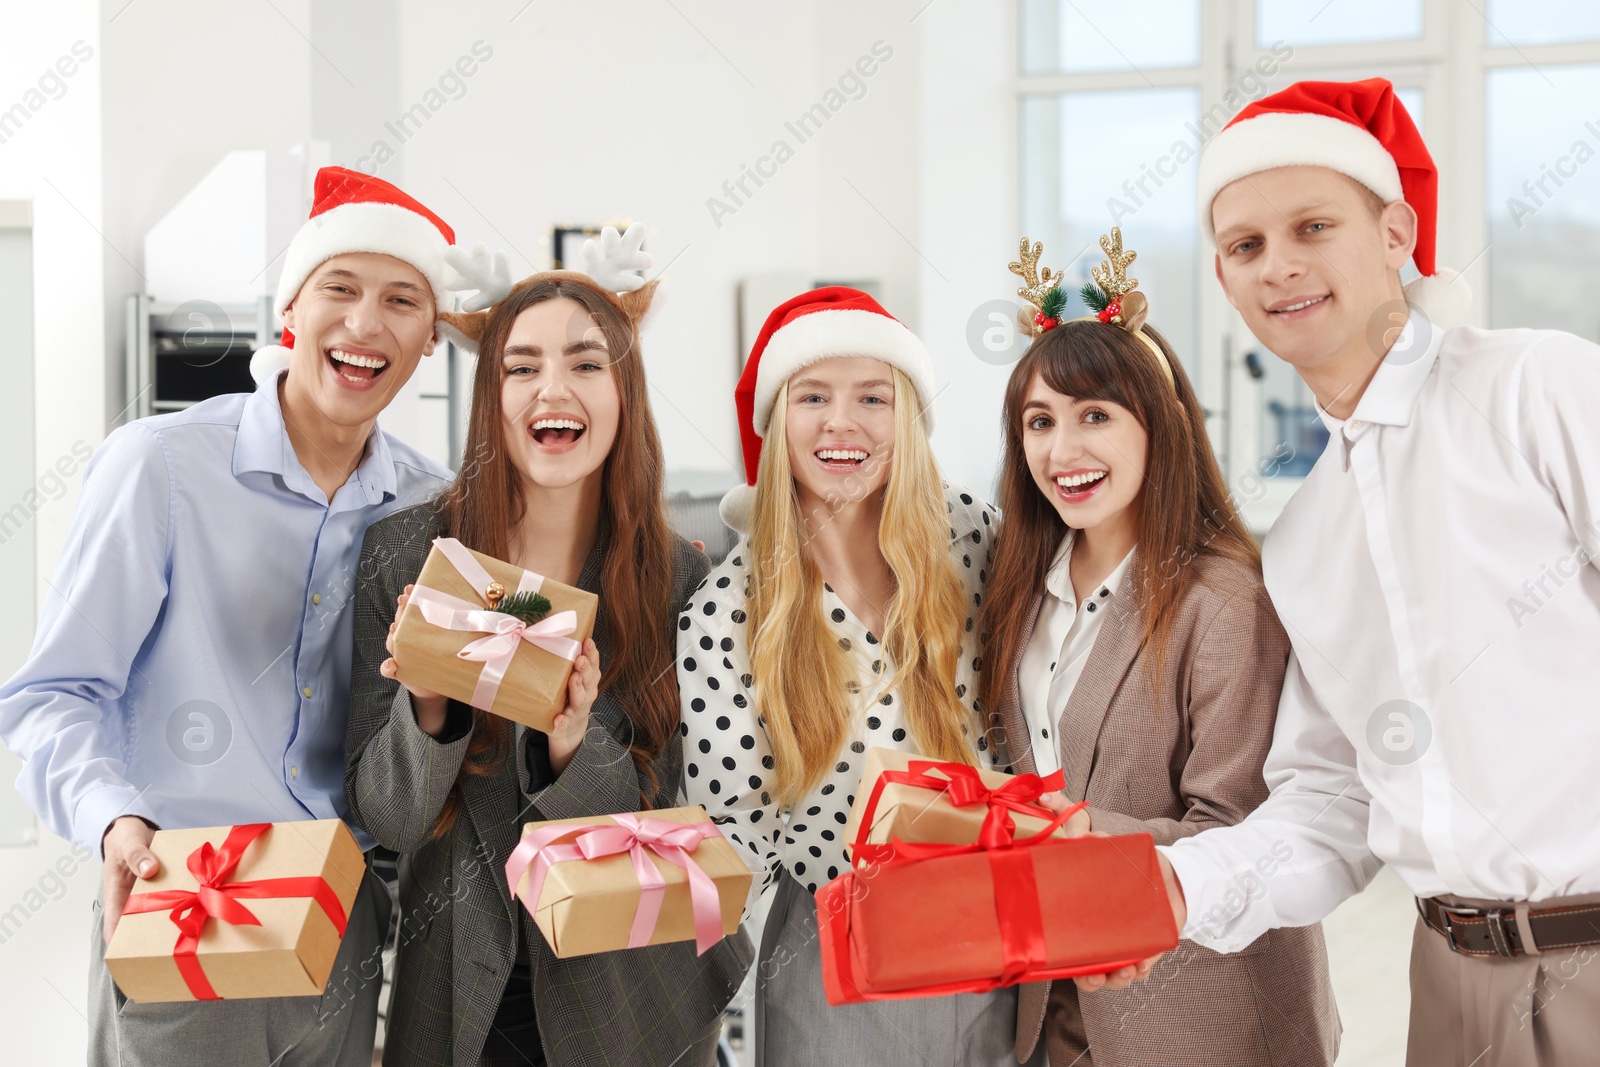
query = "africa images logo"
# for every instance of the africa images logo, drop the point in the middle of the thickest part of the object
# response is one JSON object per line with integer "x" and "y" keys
{"x": 199, "y": 732}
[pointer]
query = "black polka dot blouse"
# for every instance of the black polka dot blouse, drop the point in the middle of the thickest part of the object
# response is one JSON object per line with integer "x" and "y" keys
{"x": 728, "y": 763}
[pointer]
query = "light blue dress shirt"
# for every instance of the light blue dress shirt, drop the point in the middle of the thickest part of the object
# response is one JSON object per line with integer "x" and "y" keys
{"x": 192, "y": 663}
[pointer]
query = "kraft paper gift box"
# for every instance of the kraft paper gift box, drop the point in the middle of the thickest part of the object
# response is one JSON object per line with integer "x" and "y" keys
{"x": 289, "y": 888}
{"x": 1088, "y": 905}
{"x": 600, "y": 904}
{"x": 926, "y": 809}
{"x": 450, "y": 642}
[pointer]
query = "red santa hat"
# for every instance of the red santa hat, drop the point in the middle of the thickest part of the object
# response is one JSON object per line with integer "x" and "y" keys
{"x": 831, "y": 321}
{"x": 355, "y": 212}
{"x": 1362, "y": 130}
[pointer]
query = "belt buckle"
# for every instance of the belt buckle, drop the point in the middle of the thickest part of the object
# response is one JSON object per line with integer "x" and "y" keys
{"x": 1494, "y": 917}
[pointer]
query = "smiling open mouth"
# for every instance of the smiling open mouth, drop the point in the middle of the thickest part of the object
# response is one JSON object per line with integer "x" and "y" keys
{"x": 356, "y": 368}
{"x": 557, "y": 432}
{"x": 1301, "y": 306}
{"x": 1075, "y": 486}
{"x": 841, "y": 458}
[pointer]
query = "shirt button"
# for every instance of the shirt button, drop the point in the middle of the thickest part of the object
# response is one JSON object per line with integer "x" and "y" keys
{"x": 1355, "y": 424}
{"x": 306, "y": 690}
{"x": 294, "y": 772}
{"x": 316, "y": 598}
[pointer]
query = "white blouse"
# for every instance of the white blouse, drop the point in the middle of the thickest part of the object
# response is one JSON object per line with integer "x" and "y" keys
{"x": 727, "y": 758}
{"x": 1063, "y": 637}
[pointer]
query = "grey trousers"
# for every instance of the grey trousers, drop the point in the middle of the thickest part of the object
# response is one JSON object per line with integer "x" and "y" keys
{"x": 333, "y": 1030}
{"x": 1525, "y": 1011}
{"x": 796, "y": 1025}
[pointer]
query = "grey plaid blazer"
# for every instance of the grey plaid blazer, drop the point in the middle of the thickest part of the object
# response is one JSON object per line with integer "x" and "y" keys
{"x": 459, "y": 928}
{"x": 1170, "y": 760}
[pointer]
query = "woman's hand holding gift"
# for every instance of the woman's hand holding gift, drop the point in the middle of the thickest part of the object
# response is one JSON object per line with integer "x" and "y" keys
{"x": 430, "y": 708}
{"x": 1076, "y": 826}
{"x": 569, "y": 728}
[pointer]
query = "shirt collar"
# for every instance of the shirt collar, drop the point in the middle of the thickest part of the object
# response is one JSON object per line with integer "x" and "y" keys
{"x": 263, "y": 445}
{"x": 1391, "y": 395}
{"x": 1058, "y": 580}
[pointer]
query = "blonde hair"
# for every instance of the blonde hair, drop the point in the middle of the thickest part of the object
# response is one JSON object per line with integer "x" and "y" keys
{"x": 800, "y": 673}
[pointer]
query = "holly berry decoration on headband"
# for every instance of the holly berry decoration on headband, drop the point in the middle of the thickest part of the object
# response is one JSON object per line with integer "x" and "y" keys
{"x": 1040, "y": 288}
{"x": 1051, "y": 307}
{"x": 1111, "y": 295}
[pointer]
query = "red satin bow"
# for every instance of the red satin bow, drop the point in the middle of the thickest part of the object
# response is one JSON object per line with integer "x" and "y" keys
{"x": 1016, "y": 894}
{"x": 214, "y": 897}
{"x": 963, "y": 787}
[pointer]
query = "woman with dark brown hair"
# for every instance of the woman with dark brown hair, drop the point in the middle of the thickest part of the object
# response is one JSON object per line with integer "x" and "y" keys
{"x": 1131, "y": 644}
{"x": 563, "y": 477}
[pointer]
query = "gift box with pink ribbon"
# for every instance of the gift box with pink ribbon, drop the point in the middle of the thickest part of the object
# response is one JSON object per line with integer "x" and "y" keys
{"x": 238, "y": 911}
{"x": 492, "y": 635}
{"x": 624, "y": 881}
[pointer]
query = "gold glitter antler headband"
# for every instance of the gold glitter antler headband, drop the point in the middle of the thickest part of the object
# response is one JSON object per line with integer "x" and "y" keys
{"x": 1113, "y": 296}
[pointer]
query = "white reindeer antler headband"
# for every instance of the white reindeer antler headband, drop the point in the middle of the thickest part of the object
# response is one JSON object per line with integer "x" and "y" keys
{"x": 611, "y": 266}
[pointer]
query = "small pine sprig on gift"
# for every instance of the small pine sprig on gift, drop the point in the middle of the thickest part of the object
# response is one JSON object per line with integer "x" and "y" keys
{"x": 529, "y": 607}
{"x": 1094, "y": 298}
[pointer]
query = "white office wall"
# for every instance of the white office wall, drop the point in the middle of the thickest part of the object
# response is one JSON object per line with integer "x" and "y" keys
{"x": 968, "y": 226}
{"x": 187, "y": 81}
{"x": 653, "y": 122}
{"x": 50, "y": 155}
{"x": 586, "y": 112}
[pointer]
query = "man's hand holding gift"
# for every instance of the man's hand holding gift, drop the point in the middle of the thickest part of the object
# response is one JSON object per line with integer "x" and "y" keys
{"x": 1125, "y": 977}
{"x": 126, "y": 848}
{"x": 1081, "y": 824}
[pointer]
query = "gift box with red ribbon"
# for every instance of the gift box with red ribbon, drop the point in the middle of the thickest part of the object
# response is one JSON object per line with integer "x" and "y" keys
{"x": 1007, "y": 909}
{"x": 622, "y": 881}
{"x": 237, "y": 912}
{"x": 919, "y": 799}
{"x": 466, "y": 634}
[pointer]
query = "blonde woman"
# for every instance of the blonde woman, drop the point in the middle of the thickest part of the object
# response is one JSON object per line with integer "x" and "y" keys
{"x": 845, "y": 618}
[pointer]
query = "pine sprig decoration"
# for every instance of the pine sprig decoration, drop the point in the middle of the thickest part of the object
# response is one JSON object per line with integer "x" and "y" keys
{"x": 1094, "y": 298}
{"x": 529, "y": 607}
{"x": 1054, "y": 303}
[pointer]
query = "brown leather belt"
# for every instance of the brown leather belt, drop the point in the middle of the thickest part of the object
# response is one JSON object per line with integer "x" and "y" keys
{"x": 1494, "y": 931}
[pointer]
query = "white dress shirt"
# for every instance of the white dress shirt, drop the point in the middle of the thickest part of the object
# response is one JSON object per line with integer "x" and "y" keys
{"x": 727, "y": 758}
{"x": 1441, "y": 711}
{"x": 1063, "y": 637}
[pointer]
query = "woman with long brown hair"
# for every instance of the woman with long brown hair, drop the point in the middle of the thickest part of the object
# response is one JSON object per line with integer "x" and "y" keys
{"x": 845, "y": 617}
{"x": 563, "y": 477}
{"x": 1131, "y": 644}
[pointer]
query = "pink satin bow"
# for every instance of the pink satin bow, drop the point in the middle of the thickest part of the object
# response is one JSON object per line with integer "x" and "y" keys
{"x": 505, "y": 632}
{"x": 638, "y": 836}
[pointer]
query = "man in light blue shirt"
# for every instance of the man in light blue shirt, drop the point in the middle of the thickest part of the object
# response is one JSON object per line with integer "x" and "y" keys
{"x": 192, "y": 663}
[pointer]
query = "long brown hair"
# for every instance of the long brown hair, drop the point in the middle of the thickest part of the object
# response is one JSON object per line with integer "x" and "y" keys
{"x": 801, "y": 674}
{"x": 485, "y": 503}
{"x": 1183, "y": 507}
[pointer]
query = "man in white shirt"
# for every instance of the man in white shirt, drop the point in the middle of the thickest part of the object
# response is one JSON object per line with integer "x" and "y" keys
{"x": 1435, "y": 575}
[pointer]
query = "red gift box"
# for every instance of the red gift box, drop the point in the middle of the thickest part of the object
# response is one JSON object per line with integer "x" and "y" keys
{"x": 1007, "y": 911}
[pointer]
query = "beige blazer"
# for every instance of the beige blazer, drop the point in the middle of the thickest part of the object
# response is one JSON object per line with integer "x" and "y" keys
{"x": 1170, "y": 759}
